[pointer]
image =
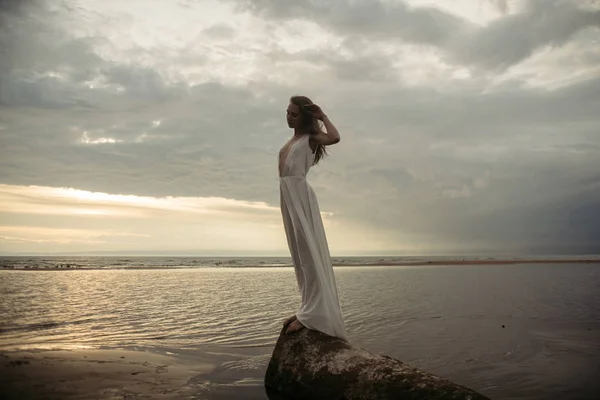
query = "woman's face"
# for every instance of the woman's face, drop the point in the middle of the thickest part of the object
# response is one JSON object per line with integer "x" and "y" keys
{"x": 294, "y": 118}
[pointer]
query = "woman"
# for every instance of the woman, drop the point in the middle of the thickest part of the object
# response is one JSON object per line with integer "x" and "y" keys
{"x": 320, "y": 308}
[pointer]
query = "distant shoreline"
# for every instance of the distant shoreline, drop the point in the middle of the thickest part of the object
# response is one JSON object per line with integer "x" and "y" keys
{"x": 68, "y": 267}
{"x": 479, "y": 262}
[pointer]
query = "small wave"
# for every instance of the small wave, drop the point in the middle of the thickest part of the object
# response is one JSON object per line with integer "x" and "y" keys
{"x": 42, "y": 326}
{"x": 30, "y": 327}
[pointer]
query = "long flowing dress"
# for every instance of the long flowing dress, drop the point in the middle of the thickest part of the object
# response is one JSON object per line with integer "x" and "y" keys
{"x": 320, "y": 307}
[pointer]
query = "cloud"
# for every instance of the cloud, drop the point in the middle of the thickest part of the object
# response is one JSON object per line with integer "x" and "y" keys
{"x": 504, "y": 42}
{"x": 376, "y": 20}
{"x": 220, "y": 31}
{"x": 67, "y": 219}
{"x": 502, "y": 5}
{"x": 90, "y": 218}
{"x": 515, "y": 37}
{"x": 72, "y": 201}
{"x": 568, "y": 224}
{"x": 435, "y": 154}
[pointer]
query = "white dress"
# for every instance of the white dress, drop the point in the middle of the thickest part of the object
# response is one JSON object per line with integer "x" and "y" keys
{"x": 320, "y": 308}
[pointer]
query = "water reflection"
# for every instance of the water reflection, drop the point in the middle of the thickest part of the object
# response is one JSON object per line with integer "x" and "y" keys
{"x": 506, "y": 330}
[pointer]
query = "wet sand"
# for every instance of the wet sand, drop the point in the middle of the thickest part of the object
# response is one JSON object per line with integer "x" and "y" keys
{"x": 95, "y": 374}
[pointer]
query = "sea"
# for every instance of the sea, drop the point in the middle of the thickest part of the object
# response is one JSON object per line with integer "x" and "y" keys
{"x": 509, "y": 331}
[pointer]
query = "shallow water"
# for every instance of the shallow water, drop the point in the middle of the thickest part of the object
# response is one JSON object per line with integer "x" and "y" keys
{"x": 508, "y": 331}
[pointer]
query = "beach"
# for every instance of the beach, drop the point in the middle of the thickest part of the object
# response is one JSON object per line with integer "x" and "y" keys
{"x": 95, "y": 374}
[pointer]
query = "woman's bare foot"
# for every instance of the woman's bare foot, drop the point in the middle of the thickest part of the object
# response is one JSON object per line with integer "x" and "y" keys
{"x": 294, "y": 327}
{"x": 289, "y": 320}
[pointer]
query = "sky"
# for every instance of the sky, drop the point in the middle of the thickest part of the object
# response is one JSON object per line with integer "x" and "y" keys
{"x": 467, "y": 126}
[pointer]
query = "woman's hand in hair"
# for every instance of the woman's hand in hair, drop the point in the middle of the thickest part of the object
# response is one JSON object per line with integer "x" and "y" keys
{"x": 315, "y": 111}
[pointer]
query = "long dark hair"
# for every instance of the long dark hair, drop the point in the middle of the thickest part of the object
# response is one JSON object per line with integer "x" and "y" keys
{"x": 310, "y": 124}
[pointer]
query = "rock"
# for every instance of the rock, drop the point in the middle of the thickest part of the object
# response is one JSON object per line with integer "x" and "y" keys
{"x": 311, "y": 365}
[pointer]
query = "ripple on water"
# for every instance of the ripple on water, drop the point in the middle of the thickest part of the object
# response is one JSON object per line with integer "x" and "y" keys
{"x": 515, "y": 332}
